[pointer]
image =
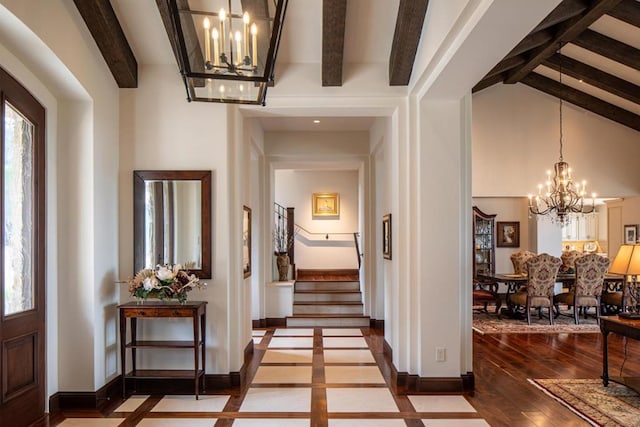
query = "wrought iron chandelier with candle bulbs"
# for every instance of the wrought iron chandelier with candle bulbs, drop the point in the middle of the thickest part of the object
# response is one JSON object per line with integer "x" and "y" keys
{"x": 227, "y": 48}
{"x": 560, "y": 196}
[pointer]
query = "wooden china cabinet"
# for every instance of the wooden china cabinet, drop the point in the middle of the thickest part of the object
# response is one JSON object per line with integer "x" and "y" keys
{"x": 484, "y": 245}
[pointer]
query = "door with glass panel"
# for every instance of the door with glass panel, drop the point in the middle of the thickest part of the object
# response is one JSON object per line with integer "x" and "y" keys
{"x": 22, "y": 253}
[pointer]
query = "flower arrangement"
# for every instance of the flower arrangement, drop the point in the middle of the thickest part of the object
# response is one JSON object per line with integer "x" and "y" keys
{"x": 164, "y": 282}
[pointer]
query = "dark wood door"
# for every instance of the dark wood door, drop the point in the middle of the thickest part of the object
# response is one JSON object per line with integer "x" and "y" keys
{"x": 22, "y": 255}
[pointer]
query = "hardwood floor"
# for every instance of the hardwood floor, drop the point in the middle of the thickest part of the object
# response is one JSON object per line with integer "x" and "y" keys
{"x": 502, "y": 366}
{"x": 503, "y": 363}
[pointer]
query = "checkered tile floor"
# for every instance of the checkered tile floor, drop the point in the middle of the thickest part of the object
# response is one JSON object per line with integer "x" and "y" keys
{"x": 338, "y": 383}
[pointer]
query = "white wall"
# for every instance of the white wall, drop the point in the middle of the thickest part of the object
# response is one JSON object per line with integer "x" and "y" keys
{"x": 516, "y": 140}
{"x": 294, "y": 188}
{"x": 161, "y": 130}
{"x": 82, "y": 195}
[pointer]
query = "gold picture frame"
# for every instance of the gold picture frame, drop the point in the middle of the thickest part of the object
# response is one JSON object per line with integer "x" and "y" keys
{"x": 326, "y": 204}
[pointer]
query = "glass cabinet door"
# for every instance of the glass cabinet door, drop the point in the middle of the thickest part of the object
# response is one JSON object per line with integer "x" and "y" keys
{"x": 483, "y": 243}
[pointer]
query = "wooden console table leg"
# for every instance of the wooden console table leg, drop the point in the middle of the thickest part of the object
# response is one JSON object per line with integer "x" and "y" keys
{"x": 123, "y": 340}
{"x": 605, "y": 359}
{"x": 196, "y": 340}
{"x": 203, "y": 331}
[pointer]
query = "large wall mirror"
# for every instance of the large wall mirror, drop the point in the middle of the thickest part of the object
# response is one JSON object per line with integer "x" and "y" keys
{"x": 172, "y": 219}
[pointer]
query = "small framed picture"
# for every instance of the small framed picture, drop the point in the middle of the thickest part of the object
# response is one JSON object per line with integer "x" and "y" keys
{"x": 508, "y": 234}
{"x": 630, "y": 234}
{"x": 326, "y": 205}
{"x": 386, "y": 236}
{"x": 246, "y": 241}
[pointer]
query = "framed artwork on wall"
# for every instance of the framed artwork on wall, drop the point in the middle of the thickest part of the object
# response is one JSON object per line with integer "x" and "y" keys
{"x": 386, "y": 236}
{"x": 508, "y": 234}
{"x": 326, "y": 204}
{"x": 630, "y": 234}
{"x": 246, "y": 241}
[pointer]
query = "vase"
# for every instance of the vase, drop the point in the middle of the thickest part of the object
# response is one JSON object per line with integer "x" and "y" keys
{"x": 282, "y": 261}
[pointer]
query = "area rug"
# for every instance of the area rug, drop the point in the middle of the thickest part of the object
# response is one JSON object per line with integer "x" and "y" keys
{"x": 615, "y": 405}
{"x": 484, "y": 323}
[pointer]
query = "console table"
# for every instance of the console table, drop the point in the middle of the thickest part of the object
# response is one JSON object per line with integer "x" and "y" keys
{"x": 196, "y": 310}
{"x": 627, "y": 328}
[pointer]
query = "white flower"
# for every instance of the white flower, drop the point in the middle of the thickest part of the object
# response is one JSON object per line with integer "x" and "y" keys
{"x": 150, "y": 283}
{"x": 165, "y": 274}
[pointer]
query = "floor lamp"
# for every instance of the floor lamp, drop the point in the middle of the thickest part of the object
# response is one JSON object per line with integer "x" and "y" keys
{"x": 627, "y": 262}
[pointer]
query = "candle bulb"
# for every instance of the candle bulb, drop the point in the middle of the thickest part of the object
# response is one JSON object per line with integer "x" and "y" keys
{"x": 239, "y": 45}
{"x": 254, "y": 44}
{"x": 223, "y": 16}
{"x": 245, "y": 20}
{"x": 216, "y": 47}
{"x": 207, "y": 40}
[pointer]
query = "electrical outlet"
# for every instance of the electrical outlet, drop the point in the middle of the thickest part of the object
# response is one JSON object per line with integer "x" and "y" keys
{"x": 441, "y": 354}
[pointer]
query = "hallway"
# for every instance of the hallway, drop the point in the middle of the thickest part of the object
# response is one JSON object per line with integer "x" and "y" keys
{"x": 299, "y": 377}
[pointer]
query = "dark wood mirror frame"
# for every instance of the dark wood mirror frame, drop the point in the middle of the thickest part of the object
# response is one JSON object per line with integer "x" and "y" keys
{"x": 139, "y": 178}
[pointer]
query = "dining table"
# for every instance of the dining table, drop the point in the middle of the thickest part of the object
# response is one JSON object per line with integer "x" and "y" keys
{"x": 513, "y": 282}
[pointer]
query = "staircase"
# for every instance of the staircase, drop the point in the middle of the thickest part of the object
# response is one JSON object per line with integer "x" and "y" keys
{"x": 327, "y": 298}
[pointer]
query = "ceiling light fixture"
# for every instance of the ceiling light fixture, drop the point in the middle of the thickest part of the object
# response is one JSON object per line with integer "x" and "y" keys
{"x": 316, "y": 121}
{"x": 560, "y": 197}
{"x": 227, "y": 54}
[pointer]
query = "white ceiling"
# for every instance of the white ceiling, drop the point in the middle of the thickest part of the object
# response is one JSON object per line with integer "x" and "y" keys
{"x": 368, "y": 36}
{"x": 334, "y": 124}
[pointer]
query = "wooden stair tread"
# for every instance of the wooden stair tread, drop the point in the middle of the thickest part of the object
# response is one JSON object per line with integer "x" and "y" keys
{"x": 328, "y": 291}
{"x": 329, "y": 316}
{"x": 327, "y": 303}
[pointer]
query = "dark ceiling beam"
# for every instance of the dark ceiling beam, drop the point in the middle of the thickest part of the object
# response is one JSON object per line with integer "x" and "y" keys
{"x": 334, "y": 16}
{"x": 531, "y": 41}
{"x": 564, "y": 32}
{"x": 595, "y": 77}
{"x": 488, "y": 82}
{"x": 565, "y": 10}
{"x": 411, "y": 14}
{"x": 627, "y": 11}
{"x": 191, "y": 37}
{"x": 259, "y": 9}
{"x": 195, "y": 58}
{"x": 609, "y": 48}
{"x": 583, "y": 100}
{"x": 506, "y": 65}
{"x": 107, "y": 32}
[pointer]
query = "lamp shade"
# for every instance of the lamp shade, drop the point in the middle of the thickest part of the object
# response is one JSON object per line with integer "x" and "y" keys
{"x": 227, "y": 49}
{"x": 627, "y": 260}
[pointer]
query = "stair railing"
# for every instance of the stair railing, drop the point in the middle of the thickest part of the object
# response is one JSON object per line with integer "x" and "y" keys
{"x": 286, "y": 230}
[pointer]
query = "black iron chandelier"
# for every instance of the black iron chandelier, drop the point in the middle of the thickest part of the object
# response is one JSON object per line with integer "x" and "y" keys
{"x": 227, "y": 49}
{"x": 560, "y": 196}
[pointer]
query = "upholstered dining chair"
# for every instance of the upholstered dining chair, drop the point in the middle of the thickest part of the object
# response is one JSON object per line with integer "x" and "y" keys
{"x": 519, "y": 259}
{"x": 541, "y": 278}
{"x": 569, "y": 259}
{"x": 612, "y": 302}
{"x": 590, "y": 272}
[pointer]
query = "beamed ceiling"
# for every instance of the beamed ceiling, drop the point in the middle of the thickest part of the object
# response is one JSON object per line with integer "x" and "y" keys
{"x": 596, "y": 43}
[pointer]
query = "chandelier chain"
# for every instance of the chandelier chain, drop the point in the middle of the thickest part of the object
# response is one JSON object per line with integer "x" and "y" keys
{"x": 561, "y": 196}
{"x": 560, "y": 80}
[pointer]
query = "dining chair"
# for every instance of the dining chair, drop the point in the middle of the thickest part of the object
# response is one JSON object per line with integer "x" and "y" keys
{"x": 519, "y": 260}
{"x": 613, "y": 301}
{"x": 569, "y": 260}
{"x": 590, "y": 272}
{"x": 485, "y": 293}
{"x": 541, "y": 278}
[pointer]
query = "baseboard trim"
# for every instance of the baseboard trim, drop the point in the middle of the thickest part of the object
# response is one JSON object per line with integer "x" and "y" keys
{"x": 405, "y": 383}
{"x": 259, "y": 323}
{"x": 376, "y": 324}
{"x": 80, "y": 400}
